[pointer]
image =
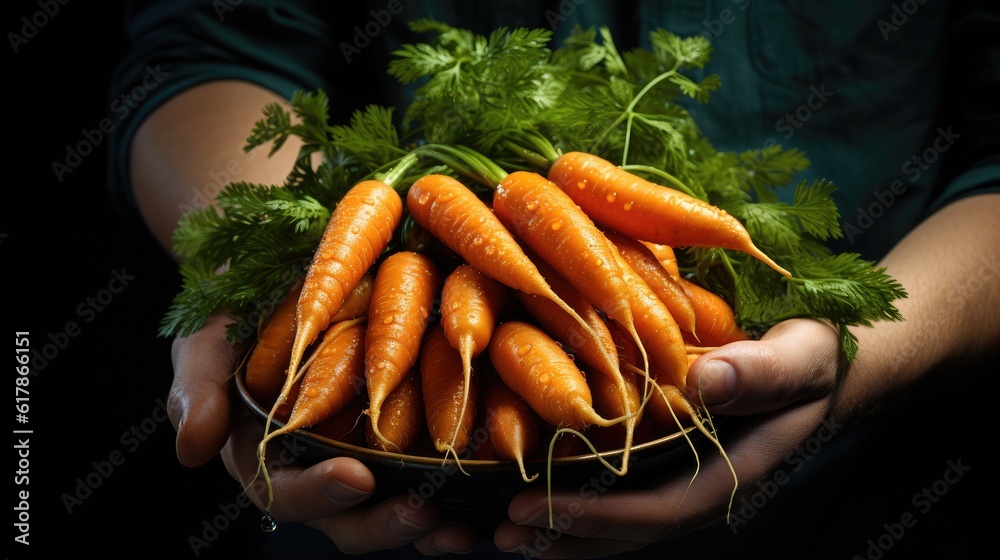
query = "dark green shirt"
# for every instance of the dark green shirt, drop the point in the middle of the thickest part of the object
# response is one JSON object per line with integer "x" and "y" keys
{"x": 896, "y": 103}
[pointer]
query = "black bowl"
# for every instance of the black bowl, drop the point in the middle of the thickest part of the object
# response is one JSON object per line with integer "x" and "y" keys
{"x": 477, "y": 491}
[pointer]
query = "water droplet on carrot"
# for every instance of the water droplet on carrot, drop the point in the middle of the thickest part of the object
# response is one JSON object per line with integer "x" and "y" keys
{"x": 581, "y": 184}
{"x": 388, "y": 320}
{"x": 532, "y": 206}
{"x": 611, "y": 197}
{"x": 423, "y": 198}
{"x": 556, "y": 226}
{"x": 523, "y": 349}
{"x": 312, "y": 392}
{"x": 627, "y": 206}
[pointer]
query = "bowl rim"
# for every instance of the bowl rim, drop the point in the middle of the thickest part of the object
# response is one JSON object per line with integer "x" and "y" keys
{"x": 338, "y": 448}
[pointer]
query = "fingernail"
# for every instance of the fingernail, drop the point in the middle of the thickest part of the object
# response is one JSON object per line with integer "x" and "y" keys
{"x": 533, "y": 519}
{"x": 717, "y": 382}
{"x": 406, "y": 529}
{"x": 444, "y": 548}
{"x": 343, "y": 494}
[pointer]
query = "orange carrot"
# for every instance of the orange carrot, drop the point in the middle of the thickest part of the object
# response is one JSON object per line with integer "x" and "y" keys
{"x": 346, "y": 426}
{"x": 666, "y": 256}
{"x": 599, "y": 352}
{"x": 548, "y": 221}
{"x": 402, "y": 417}
{"x": 616, "y": 400}
{"x": 537, "y": 368}
{"x": 265, "y": 371}
{"x": 646, "y": 265}
{"x": 641, "y": 209}
{"x": 471, "y": 303}
{"x": 359, "y": 229}
{"x": 406, "y": 285}
{"x": 462, "y": 221}
{"x": 512, "y": 425}
{"x": 716, "y": 323}
{"x": 357, "y": 301}
{"x": 443, "y": 386}
{"x": 333, "y": 378}
{"x": 659, "y": 332}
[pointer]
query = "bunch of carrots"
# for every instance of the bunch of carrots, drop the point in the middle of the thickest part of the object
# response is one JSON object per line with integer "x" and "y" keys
{"x": 562, "y": 311}
{"x": 501, "y": 267}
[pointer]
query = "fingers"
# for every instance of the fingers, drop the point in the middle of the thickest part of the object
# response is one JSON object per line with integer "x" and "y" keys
{"x": 601, "y": 519}
{"x": 796, "y": 360}
{"x": 299, "y": 494}
{"x": 199, "y": 400}
{"x": 331, "y": 497}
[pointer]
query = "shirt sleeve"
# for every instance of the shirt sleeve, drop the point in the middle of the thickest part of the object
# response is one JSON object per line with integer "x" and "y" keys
{"x": 282, "y": 46}
{"x": 972, "y": 103}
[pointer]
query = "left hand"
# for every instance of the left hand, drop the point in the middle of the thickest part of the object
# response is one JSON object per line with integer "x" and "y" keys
{"x": 788, "y": 378}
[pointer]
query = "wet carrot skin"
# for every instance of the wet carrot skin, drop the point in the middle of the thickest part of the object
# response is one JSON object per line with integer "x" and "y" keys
{"x": 406, "y": 286}
{"x": 360, "y": 228}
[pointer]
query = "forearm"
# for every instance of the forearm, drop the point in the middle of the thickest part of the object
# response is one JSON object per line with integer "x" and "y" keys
{"x": 950, "y": 267}
{"x": 192, "y": 145}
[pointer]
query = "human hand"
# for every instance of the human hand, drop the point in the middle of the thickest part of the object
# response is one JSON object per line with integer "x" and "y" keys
{"x": 787, "y": 378}
{"x": 327, "y": 496}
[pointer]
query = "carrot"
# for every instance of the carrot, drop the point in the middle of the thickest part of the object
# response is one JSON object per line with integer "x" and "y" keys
{"x": 359, "y": 229}
{"x": 357, "y": 301}
{"x": 406, "y": 285}
{"x": 443, "y": 386}
{"x": 461, "y": 220}
{"x": 265, "y": 369}
{"x": 645, "y": 264}
{"x": 716, "y": 323}
{"x": 333, "y": 378}
{"x": 548, "y": 221}
{"x": 402, "y": 417}
{"x": 666, "y": 257}
{"x": 471, "y": 303}
{"x": 537, "y": 368}
{"x": 598, "y": 352}
{"x": 512, "y": 425}
{"x": 659, "y": 332}
{"x": 615, "y": 400}
{"x": 641, "y": 209}
{"x": 344, "y": 426}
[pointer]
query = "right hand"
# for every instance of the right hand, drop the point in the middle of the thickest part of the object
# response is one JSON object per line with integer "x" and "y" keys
{"x": 325, "y": 496}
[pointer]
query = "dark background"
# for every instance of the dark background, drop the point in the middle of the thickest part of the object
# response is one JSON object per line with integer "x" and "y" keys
{"x": 98, "y": 399}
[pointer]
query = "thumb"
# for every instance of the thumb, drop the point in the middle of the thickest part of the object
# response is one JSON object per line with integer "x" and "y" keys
{"x": 199, "y": 402}
{"x": 796, "y": 360}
